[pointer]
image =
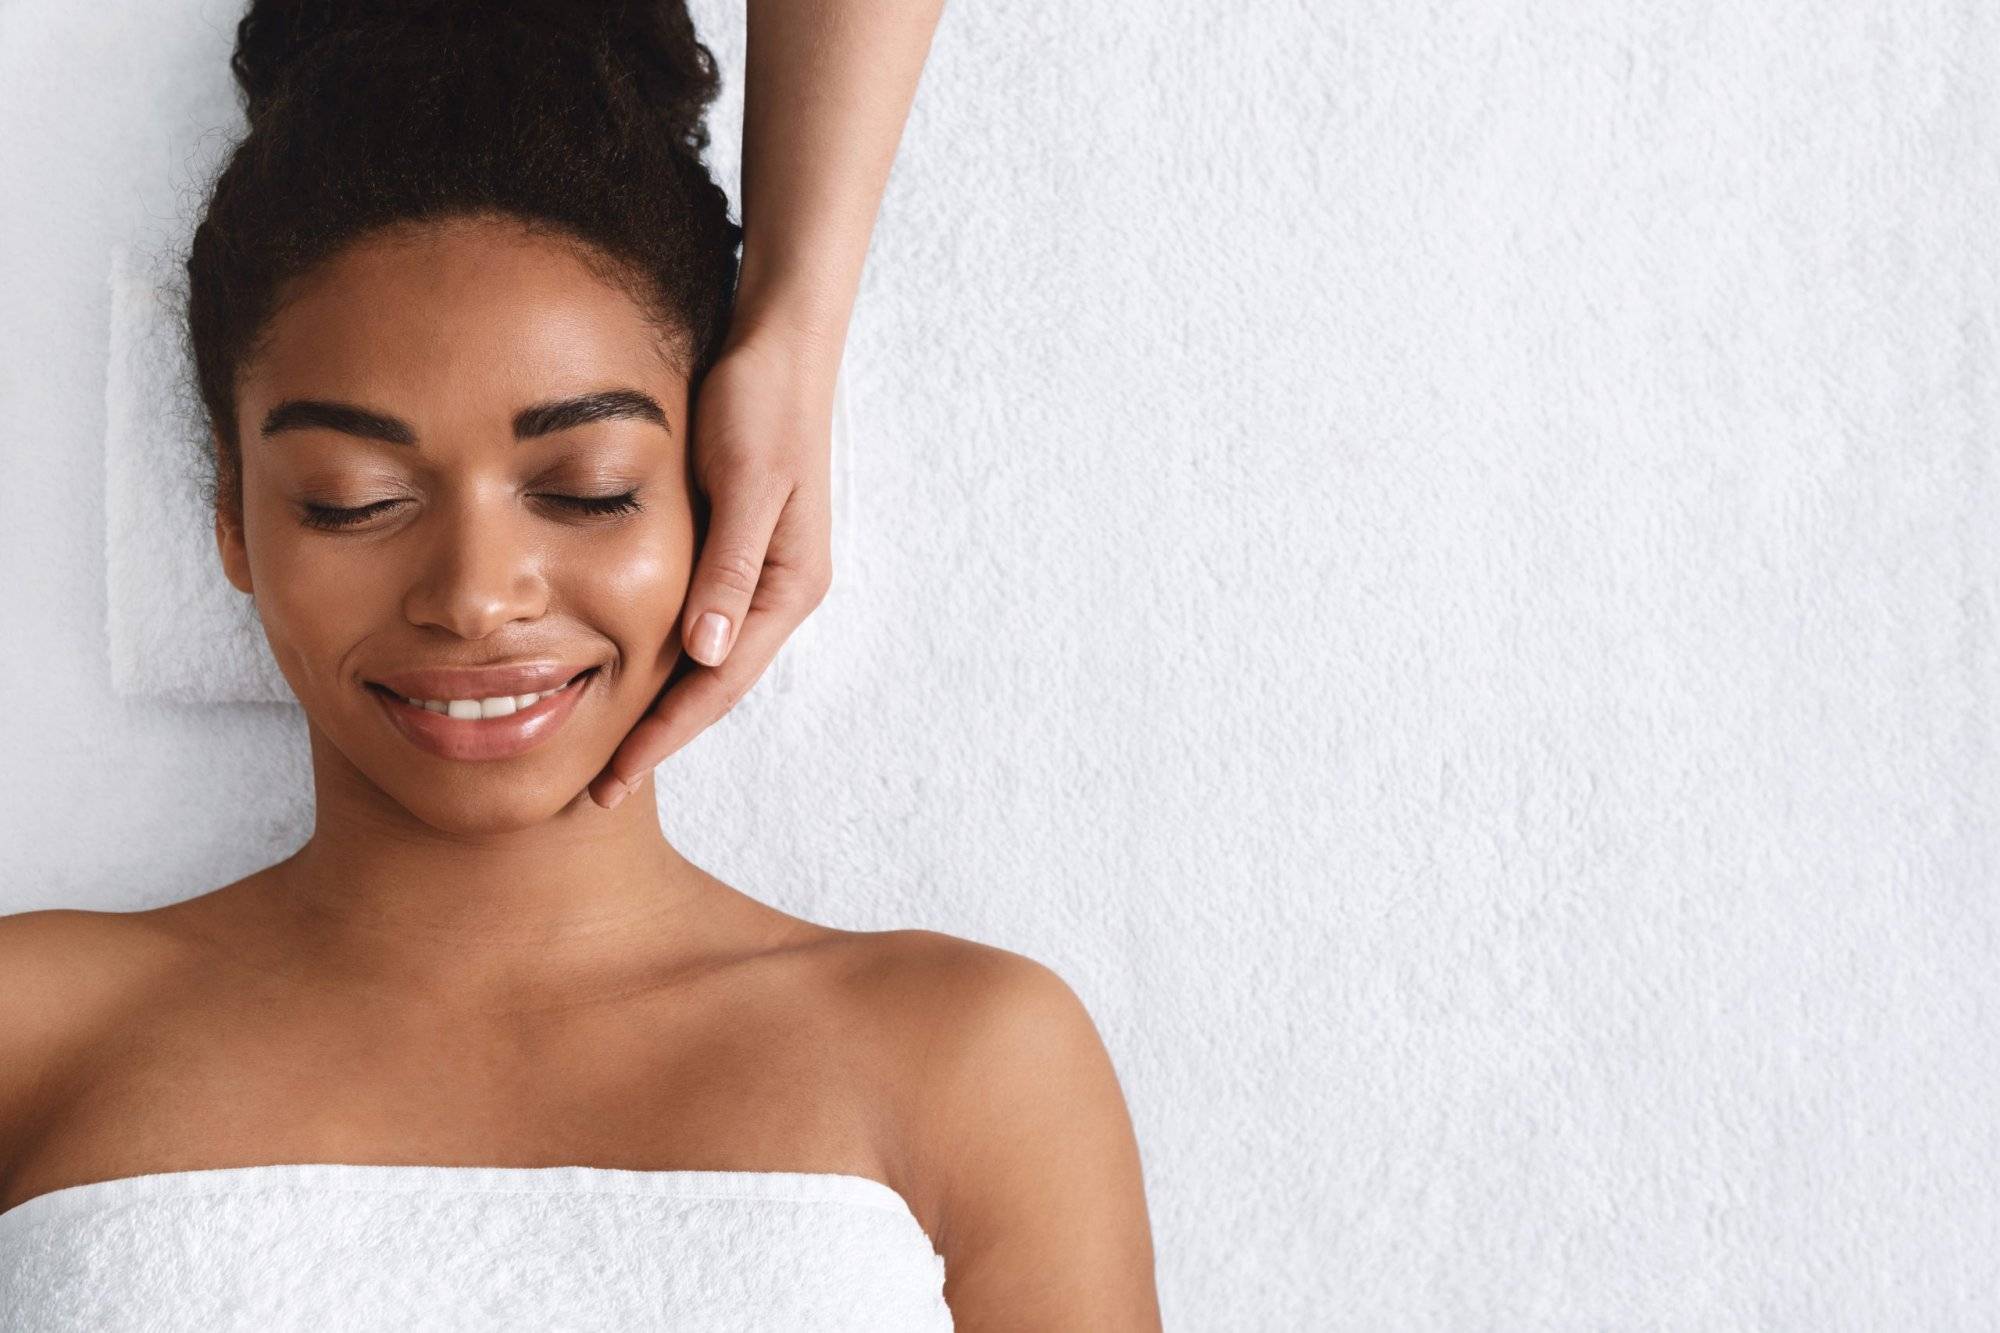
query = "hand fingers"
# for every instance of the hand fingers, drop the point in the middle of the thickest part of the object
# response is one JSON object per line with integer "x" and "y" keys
{"x": 746, "y": 507}
{"x": 691, "y": 705}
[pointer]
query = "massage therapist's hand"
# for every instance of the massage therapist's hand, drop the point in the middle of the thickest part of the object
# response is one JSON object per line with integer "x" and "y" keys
{"x": 763, "y": 446}
{"x": 827, "y": 85}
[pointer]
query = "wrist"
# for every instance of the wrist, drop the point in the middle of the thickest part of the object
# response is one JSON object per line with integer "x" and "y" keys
{"x": 788, "y": 309}
{"x": 794, "y": 359}
{"x": 798, "y": 335}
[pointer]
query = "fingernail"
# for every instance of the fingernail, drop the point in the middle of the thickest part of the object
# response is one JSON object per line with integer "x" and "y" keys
{"x": 620, "y": 795}
{"x": 710, "y": 632}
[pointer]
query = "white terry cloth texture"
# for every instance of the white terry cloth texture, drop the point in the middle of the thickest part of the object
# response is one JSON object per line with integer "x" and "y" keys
{"x": 176, "y": 627}
{"x": 1436, "y": 561}
{"x": 316, "y": 1245}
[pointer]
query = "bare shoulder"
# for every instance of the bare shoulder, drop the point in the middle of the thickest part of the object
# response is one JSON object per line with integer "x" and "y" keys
{"x": 51, "y": 959}
{"x": 1019, "y": 1134}
{"x": 65, "y": 970}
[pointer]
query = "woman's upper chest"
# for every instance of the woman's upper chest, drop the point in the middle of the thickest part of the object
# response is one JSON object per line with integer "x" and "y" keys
{"x": 775, "y": 1066}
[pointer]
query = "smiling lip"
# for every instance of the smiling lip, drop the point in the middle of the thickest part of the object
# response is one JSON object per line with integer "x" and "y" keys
{"x": 487, "y": 682}
{"x": 483, "y": 738}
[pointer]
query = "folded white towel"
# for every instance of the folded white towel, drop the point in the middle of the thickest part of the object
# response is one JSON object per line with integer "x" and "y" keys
{"x": 177, "y": 628}
{"x": 330, "y": 1246}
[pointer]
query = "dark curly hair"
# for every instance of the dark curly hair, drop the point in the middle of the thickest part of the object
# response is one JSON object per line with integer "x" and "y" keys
{"x": 581, "y": 119}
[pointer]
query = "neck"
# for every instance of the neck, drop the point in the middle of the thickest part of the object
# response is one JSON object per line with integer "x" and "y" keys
{"x": 586, "y": 904}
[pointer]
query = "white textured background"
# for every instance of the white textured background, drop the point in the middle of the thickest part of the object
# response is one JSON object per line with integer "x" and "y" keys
{"x": 1435, "y": 560}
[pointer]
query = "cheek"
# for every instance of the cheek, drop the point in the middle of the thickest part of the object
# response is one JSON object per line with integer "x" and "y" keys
{"x": 632, "y": 587}
{"x": 313, "y": 609}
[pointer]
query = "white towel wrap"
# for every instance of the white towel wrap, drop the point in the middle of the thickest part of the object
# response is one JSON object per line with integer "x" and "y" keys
{"x": 324, "y": 1246}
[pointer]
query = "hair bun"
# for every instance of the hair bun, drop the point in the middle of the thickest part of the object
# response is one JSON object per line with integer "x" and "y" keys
{"x": 274, "y": 35}
{"x": 651, "y": 42}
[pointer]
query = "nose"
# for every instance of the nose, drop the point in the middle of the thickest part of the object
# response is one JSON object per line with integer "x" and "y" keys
{"x": 480, "y": 569}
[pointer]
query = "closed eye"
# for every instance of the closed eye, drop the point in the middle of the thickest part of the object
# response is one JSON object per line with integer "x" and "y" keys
{"x": 327, "y": 516}
{"x": 623, "y": 503}
{"x": 332, "y": 517}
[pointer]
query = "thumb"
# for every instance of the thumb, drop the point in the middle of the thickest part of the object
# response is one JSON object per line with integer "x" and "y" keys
{"x": 743, "y": 516}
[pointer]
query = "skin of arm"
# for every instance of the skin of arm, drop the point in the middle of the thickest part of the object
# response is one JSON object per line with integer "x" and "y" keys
{"x": 1026, "y": 1142}
{"x": 828, "y": 87}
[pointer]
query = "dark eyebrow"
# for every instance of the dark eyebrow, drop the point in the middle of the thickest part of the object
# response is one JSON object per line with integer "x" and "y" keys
{"x": 544, "y": 418}
{"x": 530, "y": 422}
{"x": 315, "y": 414}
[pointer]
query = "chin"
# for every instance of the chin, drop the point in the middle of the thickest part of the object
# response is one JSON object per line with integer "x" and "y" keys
{"x": 482, "y": 807}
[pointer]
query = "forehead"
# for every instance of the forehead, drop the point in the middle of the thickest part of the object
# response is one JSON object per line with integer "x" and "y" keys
{"x": 468, "y": 306}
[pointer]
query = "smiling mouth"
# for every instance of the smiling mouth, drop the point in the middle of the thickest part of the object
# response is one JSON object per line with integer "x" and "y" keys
{"x": 480, "y": 710}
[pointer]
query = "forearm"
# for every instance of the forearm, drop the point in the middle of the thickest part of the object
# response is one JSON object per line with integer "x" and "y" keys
{"x": 828, "y": 87}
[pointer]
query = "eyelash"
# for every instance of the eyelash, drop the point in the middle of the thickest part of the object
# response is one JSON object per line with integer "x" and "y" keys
{"x": 332, "y": 518}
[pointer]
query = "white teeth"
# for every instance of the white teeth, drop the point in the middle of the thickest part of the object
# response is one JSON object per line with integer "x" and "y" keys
{"x": 469, "y": 709}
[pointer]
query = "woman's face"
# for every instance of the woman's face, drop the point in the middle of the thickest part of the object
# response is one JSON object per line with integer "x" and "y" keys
{"x": 465, "y": 544}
